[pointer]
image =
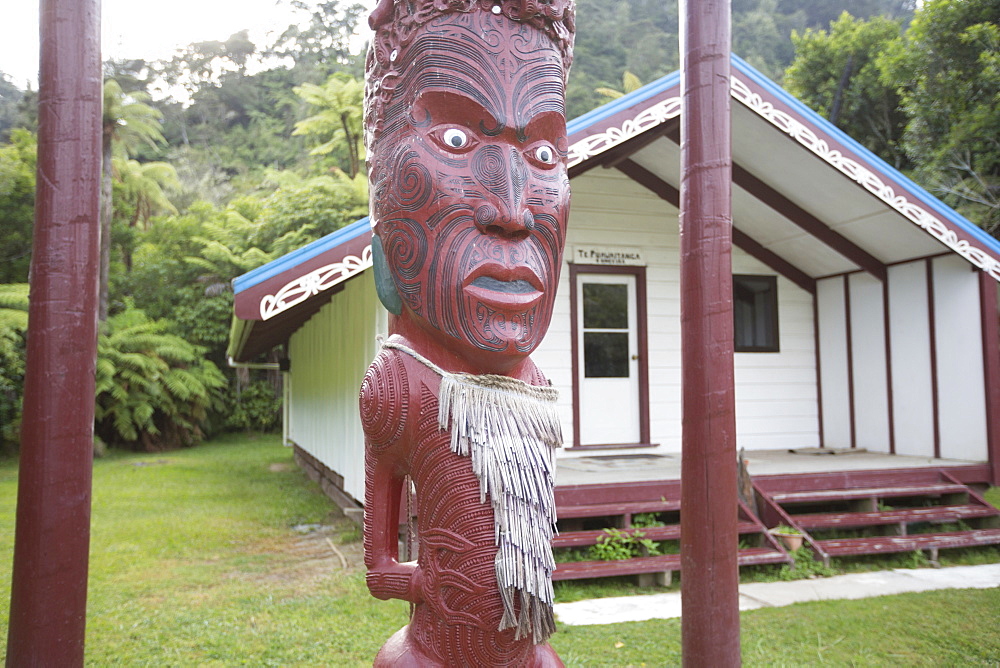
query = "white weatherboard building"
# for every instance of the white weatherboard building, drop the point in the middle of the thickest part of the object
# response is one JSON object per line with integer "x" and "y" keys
{"x": 866, "y": 310}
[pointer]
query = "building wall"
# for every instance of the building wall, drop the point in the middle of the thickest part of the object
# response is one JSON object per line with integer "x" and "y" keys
{"x": 959, "y": 352}
{"x": 831, "y": 301}
{"x": 776, "y": 392}
{"x": 930, "y": 369}
{"x": 912, "y": 395}
{"x": 869, "y": 370}
{"x": 329, "y": 356}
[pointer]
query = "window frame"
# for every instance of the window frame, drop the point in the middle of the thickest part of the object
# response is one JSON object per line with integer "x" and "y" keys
{"x": 772, "y": 335}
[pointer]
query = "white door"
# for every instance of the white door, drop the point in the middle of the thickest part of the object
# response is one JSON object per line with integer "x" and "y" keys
{"x": 608, "y": 346}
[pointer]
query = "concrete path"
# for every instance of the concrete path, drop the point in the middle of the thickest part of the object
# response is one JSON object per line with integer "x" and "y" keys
{"x": 775, "y": 594}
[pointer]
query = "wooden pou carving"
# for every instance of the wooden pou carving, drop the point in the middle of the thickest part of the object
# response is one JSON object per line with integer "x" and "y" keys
{"x": 466, "y": 135}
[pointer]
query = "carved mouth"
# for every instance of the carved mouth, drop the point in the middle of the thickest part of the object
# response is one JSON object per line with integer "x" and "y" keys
{"x": 503, "y": 286}
{"x": 516, "y": 287}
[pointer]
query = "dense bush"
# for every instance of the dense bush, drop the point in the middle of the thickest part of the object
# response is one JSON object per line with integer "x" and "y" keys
{"x": 256, "y": 408}
{"x": 13, "y": 323}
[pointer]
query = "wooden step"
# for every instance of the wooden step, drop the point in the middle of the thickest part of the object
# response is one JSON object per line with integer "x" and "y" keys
{"x": 754, "y": 556}
{"x": 576, "y": 570}
{"x": 896, "y": 516}
{"x": 616, "y": 509}
{"x": 889, "y": 544}
{"x": 669, "y": 532}
{"x": 868, "y": 493}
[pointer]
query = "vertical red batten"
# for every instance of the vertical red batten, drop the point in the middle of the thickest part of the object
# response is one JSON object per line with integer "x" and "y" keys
{"x": 990, "y": 313}
{"x": 710, "y": 623}
{"x": 886, "y": 318}
{"x": 52, "y": 537}
{"x": 849, "y": 329}
{"x": 932, "y": 333}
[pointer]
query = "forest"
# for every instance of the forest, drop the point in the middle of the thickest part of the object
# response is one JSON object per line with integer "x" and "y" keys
{"x": 231, "y": 154}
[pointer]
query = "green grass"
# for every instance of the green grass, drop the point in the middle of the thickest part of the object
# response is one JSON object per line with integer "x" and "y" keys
{"x": 943, "y": 628}
{"x": 195, "y": 562}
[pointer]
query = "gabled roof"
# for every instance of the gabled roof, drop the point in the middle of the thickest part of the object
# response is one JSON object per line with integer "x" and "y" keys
{"x": 274, "y": 300}
{"x": 814, "y": 198}
{"x": 808, "y": 201}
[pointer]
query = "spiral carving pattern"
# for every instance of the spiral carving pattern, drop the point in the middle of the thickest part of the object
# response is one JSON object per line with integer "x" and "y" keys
{"x": 465, "y": 124}
{"x": 383, "y": 401}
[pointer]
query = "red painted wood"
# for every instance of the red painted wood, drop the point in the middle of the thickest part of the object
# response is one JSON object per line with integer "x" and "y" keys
{"x": 890, "y": 544}
{"x": 247, "y": 303}
{"x": 642, "y": 341}
{"x": 819, "y": 373}
{"x": 669, "y": 532}
{"x": 710, "y": 625}
{"x": 574, "y": 351}
{"x": 630, "y": 147}
{"x": 888, "y": 367}
{"x": 990, "y": 314}
{"x": 648, "y": 490}
{"x": 52, "y": 537}
{"x": 616, "y": 509}
{"x": 774, "y": 261}
{"x": 850, "y": 359}
{"x": 975, "y": 473}
{"x": 903, "y": 515}
{"x": 932, "y": 337}
{"x": 475, "y": 270}
{"x": 894, "y": 491}
{"x": 805, "y": 220}
{"x": 668, "y": 193}
{"x": 613, "y": 446}
{"x": 576, "y": 570}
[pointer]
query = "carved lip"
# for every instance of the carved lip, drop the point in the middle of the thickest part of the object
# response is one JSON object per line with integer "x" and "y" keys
{"x": 504, "y": 286}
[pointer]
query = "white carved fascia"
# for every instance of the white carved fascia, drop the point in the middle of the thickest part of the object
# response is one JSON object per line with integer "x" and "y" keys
{"x": 912, "y": 210}
{"x": 649, "y": 117}
{"x": 316, "y": 281}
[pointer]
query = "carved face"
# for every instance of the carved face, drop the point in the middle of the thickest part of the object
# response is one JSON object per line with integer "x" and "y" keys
{"x": 469, "y": 188}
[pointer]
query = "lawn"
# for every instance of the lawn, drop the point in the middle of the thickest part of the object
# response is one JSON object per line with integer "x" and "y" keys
{"x": 225, "y": 554}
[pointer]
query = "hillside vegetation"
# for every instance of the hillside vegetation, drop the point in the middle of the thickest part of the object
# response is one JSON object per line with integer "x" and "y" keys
{"x": 232, "y": 153}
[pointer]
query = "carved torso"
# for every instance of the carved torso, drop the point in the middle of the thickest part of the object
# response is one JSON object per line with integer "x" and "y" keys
{"x": 457, "y": 604}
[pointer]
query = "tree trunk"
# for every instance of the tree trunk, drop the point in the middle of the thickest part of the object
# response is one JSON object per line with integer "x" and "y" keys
{"x": 838, "y": 95}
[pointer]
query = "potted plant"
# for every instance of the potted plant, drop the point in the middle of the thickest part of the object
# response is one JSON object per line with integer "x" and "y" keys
{"x": 790, "y": 536}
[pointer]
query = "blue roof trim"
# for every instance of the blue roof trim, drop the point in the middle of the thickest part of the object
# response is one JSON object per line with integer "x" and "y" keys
{"x": 829, "y": 128}
{"x": 611, "y": 108}
{"x": 652, "y": 89}
{"x": 300, "y": 255}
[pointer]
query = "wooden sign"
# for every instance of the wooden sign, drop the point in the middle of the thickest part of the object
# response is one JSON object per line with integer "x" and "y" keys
{"x": 609, "y": 255}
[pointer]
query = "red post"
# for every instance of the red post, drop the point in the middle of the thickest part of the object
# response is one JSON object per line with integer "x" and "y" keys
{"x": 710, "y": 623}
{"x": 52, "y": 539}
{"x": 990, "y": 310}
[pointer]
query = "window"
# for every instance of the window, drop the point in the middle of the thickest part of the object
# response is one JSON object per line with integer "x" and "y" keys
{"x": 605, "y": 330}
{"x": 755, "y": 313}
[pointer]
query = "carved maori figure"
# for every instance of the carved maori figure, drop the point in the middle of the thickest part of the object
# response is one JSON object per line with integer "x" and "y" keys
{"x": 466, "y": 132}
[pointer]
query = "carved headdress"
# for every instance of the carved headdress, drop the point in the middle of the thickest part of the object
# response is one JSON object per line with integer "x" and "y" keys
{"x": 397, "y": 22}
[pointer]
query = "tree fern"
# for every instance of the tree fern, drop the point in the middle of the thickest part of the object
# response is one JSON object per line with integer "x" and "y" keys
{"x": 154, "y": 389}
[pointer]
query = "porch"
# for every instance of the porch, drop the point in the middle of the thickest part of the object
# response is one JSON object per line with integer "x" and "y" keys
{"x": 842, "y": 503}
{"x": 611, "y": 468}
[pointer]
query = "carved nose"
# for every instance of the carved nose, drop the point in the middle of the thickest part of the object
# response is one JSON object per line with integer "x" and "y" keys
{"x": 502, "y": 174}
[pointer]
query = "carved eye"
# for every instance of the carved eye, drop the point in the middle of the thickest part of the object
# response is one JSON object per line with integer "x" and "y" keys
{"x": 545, "y": 154}
{"x": 455, "y": 138}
